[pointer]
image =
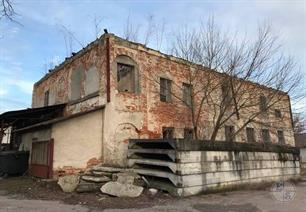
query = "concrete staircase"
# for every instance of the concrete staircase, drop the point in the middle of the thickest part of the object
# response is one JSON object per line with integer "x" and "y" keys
{"x": 185, "y": 168}
{"x": 156, "y": 160}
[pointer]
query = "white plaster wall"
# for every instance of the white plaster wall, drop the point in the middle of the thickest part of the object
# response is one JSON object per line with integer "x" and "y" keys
{"x": 28, "y": 138}
{"x": 303, "y": 157}
{"x": 120, "y": 126}
{"x": 77, "y": 140}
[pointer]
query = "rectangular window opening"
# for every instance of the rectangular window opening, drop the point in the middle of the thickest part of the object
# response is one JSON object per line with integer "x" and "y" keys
{"x": 187, "y": 93}
{"x": 168, "y": 132}
{"x": 281, "y": 137}
{"x": 278, "y": 113}
{"x": 188, "y": 133}
{"x": 266, "y": 135}
{"x": 229, "y": 133}
{"x": 165, "y": 90}
{"x": 250, "y": 134}
{"x": 46, "y": 98}
{"x": 263, "y": 104}
{"x": 226, "y": 93}
{"x": 125, "y": 78}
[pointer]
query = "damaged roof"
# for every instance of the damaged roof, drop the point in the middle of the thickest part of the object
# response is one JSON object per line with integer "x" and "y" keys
{"x": 31, "y": 115}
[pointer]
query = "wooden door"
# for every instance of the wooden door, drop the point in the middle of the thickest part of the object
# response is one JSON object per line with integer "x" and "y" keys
{"x": 42, "y": 159}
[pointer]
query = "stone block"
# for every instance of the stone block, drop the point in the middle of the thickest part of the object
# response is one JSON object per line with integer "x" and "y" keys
{"x": 127, "y": 177}
{"x": 107, "y": 169}
{"x": 121, "y": 190}
{"x": 88, "y": 187}
{"x": 68, "y": 183}
{"x": 101, "y": 173}
{"x": 96, "y": 179}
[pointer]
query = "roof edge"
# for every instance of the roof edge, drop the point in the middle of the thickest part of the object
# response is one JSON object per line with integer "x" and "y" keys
{"x": 169, "y": 56}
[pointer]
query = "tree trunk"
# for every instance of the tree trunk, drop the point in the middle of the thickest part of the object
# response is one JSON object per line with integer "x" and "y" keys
{"x": 214, "y": 134}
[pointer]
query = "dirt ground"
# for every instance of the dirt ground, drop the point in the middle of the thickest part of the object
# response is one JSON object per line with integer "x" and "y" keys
{"x": 27, "y": 194}
{"x": 31, "y": 188}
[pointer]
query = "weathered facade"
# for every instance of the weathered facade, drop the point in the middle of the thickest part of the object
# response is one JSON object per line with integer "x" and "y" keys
{"x": 300, "y": 142}
{"x": 188, "y": 167}
{"x": 112, "y": 92}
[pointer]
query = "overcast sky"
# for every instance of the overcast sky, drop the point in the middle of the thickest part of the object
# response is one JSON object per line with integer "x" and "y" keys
{"x": 26, "y": 50}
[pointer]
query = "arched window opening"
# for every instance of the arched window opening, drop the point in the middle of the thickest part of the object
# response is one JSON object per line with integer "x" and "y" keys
{"x": 127, "y": 74}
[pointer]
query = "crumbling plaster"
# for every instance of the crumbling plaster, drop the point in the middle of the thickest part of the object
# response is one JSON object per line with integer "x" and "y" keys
{"x": 175, "y": 114}
{"x": 140, "y": 114}
{"x": 77, "y": 140}
{"x": 91, "y": 61}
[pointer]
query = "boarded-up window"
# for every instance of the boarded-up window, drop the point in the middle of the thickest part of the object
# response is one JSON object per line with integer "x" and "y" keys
{"x": 187, "y": 92}
{"x": 46, "y": 98}
{"x": 125, "y": 78}
{"x": 92, "y": 79}
{"x": 76, "y": 83}
{"x": 165, "y": 90}
{"x": 188, "y": 133}
{"x": 229, "y": 133}
{"x": 266, "y": 135}
{"x": 263, "y": 104}
{"x": 281, "y": 138}
{"x": 250, "y": 134}
{"x": 168, "y": 132}
{"x": 278, "y": 113}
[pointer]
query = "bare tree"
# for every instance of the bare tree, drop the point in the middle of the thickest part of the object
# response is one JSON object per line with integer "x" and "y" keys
{"x": 97, "y": 24}
{"x": 160, "y": 33}
{"x": 131, "y": 31}
{"x": 149, "y": 29}
{"x": 228, "y": 89}
{"x": 69, "y": 38}
{"x": 152, "y": 30}
{"x": 299, "y": 123}
{"x": 7, "y": 10}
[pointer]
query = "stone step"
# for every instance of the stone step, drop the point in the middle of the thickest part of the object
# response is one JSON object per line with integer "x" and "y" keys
{"x": 96, "y": 179}
{"x": 107, "y": 169}
{"x": 88, "y": 187}
{"x": 121, "y": 190}
{"x": 101, "y": 173}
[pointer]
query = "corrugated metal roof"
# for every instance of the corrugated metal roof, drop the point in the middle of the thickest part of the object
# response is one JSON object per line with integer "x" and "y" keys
{"x": 31, "y": 115}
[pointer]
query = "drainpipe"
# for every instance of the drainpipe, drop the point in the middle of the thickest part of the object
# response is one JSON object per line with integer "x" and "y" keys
{"x": 108, "y": 68}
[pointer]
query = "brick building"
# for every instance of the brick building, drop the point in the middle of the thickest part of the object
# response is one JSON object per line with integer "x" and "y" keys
{"x": 113, "y": 90}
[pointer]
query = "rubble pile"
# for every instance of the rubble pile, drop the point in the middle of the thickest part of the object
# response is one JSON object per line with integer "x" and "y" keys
{"x": 93, "y": 179}
{"x": 123, "y": 186}
{"x": 108, "y": 180}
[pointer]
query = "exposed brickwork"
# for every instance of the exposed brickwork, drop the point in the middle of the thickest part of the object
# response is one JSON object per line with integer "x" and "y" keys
{"x": 66, "y": 170}
{"x": 58, "y": 81}
{"x": 143, "y": 109}
{"x": 158, "y": 114}
{"x": 93, "y": 162}
{"x": 69, "y": 170}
